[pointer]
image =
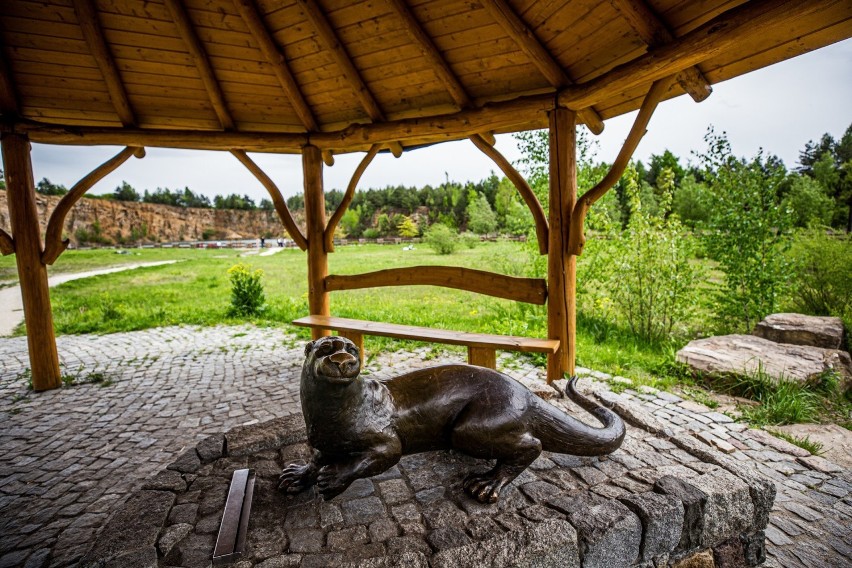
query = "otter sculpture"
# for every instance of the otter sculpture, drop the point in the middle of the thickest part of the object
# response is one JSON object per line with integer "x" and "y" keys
{"x": 360, "y": 427}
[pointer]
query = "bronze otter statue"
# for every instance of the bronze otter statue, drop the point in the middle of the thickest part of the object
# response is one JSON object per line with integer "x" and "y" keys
{"x": 360, "y": 427}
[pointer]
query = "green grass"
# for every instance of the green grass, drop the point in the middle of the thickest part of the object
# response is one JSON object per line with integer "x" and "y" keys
{"x": 803, "y": 442}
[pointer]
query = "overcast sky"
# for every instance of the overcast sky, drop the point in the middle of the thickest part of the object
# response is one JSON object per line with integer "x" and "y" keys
{"x": 779, "y": 108}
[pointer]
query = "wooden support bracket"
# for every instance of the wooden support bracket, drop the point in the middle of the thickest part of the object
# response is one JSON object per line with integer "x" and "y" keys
{"x": 54, "y": 245}
{"x": 277, "y": 200}
{"x": 576, "y": 238}
{"x": 328, "y": 234}
{"x": 7, "y": 243}
{"x": 541, "y": 226}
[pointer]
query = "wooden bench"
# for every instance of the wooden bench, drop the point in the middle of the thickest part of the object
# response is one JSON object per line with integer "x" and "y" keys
{"x": 481, "y": 348}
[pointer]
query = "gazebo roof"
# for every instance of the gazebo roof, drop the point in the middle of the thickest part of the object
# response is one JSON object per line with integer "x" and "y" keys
{"x": 274, "y": 75}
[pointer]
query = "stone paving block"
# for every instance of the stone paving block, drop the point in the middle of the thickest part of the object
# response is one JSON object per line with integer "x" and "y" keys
{"x": 729, "y": 510}
{"x": 820, "y": 464}
{"x": 188, "y": 462}
{"x": 211, "y": 447}
{"x": 662, "y": 519}
{"x": 245, "y": 440}
{"x": 608, "y": 535}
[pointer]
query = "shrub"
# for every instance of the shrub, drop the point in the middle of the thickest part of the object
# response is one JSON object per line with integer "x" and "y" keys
{"x": 441, "y": 239}
{"x": 650, "y": 280}
{"x": 748, "y": 233}
{"x": 822, "y": 275}
{"x": 247, "y": 297}
{"x": 371, "y": 233}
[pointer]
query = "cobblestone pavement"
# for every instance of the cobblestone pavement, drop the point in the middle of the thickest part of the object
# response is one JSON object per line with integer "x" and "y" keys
{"x": 70, "y": 457}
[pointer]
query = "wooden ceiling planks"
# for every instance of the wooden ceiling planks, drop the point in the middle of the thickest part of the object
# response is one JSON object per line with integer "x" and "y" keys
{"x": 60, "y": 81}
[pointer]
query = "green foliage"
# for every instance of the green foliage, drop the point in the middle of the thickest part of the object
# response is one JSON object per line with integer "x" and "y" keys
{"x": 350, "y": 221}
{"x": 442, "y": 239}
{"x": 247, "y": 296}
{"x": 481, "y": 219}
{"x": 803, "y": 442}
{"x": 692, "y": 202}
{"x": 407, "y": 227}
{"x": 45, "y": 187}
{"x": 781, "y": 402}
{"x": 125, "y": 192}
{"x": 808, "y": 203}
{"x": 822, "y": 275}
{"x": 371, "y": 233}
{"x": 234, "y": 201}
{"x": 92, "y": 235}
{"x": 177, "y": 198}
{"x": 650, "y": 279}
{"x": 748, "y": 233}
{"x": 208, "y": 234}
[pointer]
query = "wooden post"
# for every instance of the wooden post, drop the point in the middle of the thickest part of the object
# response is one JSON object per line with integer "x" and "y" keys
{"x": 318, "y": 303}
{"x": 32, "y": 272}
{"x": 562, "y": 266}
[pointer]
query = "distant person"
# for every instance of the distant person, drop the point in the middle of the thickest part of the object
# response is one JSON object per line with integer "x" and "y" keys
{"x": 262, "y": 242}
{"x": 280, "y": 242}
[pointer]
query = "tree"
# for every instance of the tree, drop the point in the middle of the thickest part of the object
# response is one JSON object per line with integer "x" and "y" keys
{"x": 748, "y": 232}
{"x": 266, "y": 205}
{"x": 46, "y": 188}
{"x": 808, "y": 203}
{"x": 442, "y": 239}
{"x": 407, "y": 227}
{"x": 481, "y": 219}
{"x": 125, "y": 192}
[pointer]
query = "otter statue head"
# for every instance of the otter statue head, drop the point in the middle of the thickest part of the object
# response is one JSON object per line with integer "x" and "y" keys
{"x": 333, "y": 360}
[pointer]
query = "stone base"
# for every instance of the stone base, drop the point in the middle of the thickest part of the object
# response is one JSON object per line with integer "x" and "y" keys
{"x": 658, "y": 501}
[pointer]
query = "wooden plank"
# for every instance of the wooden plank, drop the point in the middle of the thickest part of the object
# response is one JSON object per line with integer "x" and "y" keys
{"x": 318, "y": 299}
{"x": 202, "y": 62}
{"x": 504, "y": 342}
{"x": 273, "y": 55}
{"x": 529, "y": 290}
{"x": 654, "y": 31}
{"x": 482, "y": 357}
{"x": 32, "y": 273}
{"x": 8, "y": 93}
{"x": 543, "y": 60}
{"x": 93, "y": 34}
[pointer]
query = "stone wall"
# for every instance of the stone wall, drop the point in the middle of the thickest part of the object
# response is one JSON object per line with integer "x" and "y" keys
{"x": 152, "y": 222}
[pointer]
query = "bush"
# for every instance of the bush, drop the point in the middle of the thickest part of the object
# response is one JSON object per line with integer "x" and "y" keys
{"x": 748, "y": 233}
{"x": 441, "y": 239}
{"x": 371, "y": 233}
{"x": 651, "y": 281}
{"x": 247, "y": 297}
{"x": 822, "y": 275}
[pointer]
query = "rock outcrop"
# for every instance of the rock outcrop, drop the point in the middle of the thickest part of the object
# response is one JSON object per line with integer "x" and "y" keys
{"x": 116, "y": 222}
{"x": 799, "y": 329}
{"x": 748, "y": 354}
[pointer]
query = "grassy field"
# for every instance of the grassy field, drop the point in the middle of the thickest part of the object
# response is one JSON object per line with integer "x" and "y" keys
{"x": 197, "y": 291}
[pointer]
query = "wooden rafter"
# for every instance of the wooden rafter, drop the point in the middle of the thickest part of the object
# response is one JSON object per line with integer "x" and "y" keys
{"x": 541, "y": 226}
{"x": 328, "y": 37}
{"x": 202, "y": 62}
{"x": 8, "y": 93}
{"x": 7, "y": 243}
{"x": 576, "y": 238}
{"x": 719, "y": 35}
{"x": 347, "y": 197}
{"x": 654, "y": 32}
{"x": 54, "y": 245}
{"x": 93, "y": 33}
{"x": 277, "y": 200}
{"x": 540, "y": 56}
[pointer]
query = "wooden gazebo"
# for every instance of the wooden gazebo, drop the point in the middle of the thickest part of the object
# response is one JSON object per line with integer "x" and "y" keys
{"x": 322, "y": 77}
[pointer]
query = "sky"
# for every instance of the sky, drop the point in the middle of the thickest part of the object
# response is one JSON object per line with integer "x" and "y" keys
{"x": 779, "y": 108}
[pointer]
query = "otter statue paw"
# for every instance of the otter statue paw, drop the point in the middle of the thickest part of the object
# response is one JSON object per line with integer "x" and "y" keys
{"x": 483, "y": 487}
{"x": 296, "y": 477}
{"x": 332, "y": 481}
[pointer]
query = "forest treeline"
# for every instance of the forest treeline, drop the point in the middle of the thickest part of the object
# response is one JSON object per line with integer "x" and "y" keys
{"x": 817, "y": 192}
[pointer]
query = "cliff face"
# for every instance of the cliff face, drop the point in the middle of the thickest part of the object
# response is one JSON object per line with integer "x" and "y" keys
{"x": 94, "y": 221}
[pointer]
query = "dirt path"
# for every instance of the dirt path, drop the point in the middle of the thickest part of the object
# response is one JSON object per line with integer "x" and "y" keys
{"x": 12, "y": 306}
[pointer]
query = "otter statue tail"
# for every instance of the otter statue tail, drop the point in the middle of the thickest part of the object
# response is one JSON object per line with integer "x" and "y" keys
{"x": 565, "y": 434}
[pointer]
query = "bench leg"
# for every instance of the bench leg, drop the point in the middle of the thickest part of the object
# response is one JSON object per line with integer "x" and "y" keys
{"x": 355, "y": 338}
{"x": 482, "y": 356}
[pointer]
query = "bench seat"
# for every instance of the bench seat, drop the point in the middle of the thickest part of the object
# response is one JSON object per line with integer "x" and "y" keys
{"x": 481, "y": 347}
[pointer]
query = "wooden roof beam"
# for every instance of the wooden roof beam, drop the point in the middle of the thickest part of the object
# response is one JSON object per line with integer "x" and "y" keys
{"x": 430, "y": 51}
{"x": 721, "y": 34}
{"x": 202, "y": 62}
{"x": 328, "y": 37}
{"x": 8, "y": 93}
{"x": 93, "y": 33}
{"x": 526, "y": 39}
{"x": 654, "y": 32}
{"x": 54, "y": 244}
{"x": 272, "y": 53}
